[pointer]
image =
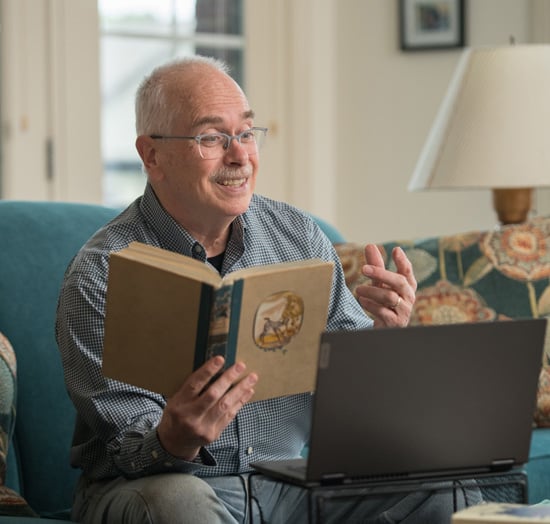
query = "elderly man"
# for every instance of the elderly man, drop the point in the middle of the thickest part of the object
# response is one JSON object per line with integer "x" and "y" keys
{"x": 186, "y": 459}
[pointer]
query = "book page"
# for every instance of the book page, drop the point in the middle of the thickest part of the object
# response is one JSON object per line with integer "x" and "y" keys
{"x": 281, "y": 321}
{"x": 150, "y": 326}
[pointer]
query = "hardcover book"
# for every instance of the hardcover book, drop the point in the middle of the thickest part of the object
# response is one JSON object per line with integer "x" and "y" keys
{"x": 166, "y": 314}
{"x": 502, "y": 513}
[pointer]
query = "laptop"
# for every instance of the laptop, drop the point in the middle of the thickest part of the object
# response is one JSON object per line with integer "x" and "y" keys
{"x": 420, "y": 402}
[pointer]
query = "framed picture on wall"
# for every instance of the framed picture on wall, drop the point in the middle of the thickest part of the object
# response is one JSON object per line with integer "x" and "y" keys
{"x": 431, "y": 24}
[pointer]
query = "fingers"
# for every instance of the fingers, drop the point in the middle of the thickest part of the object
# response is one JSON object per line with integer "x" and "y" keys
{"x": 404, "y": 266}
{"x": 390, "y": 297}
{"x": 402, "y": 281}
{"x": 203, "y": 407}
{"x": 228, "y": 389}
{"x": 220, "y": 402}
{"x": 373, "y": 256}
{"x": 208, "y": 385}
{"x": 196, "y": 383}
{"x": 384, "y": 314}
{"x": 230, "y": 403}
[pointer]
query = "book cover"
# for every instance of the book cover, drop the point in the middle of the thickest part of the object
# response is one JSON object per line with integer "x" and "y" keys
{"x": 502, "y": 513}
{"x": 166, "y": 314}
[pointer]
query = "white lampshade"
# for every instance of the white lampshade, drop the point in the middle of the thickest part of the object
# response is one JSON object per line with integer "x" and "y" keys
{"x": 493, "y": 127}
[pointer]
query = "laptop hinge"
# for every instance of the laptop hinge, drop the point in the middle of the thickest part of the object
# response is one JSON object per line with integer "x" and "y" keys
{"x": 502, "y": 464}
{"x": 333, "y": 478}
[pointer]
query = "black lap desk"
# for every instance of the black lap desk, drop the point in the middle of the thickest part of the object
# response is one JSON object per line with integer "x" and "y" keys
{"x": 509, "y": 486}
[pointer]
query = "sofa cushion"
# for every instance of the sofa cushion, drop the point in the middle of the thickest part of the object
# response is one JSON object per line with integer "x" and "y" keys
{"x": 539, "y": 465}
{"x": 38, "y": 241}
{"x": 11, "y": 503}
{"x": 476, "y": 276}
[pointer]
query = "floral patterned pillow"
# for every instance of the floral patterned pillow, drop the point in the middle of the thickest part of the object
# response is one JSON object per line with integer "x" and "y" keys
{"x": 11, "y": 503}
{"x": 476, "y": 276}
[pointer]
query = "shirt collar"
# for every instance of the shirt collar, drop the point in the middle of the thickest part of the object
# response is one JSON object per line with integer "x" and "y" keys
{"x": 174, "y": 237}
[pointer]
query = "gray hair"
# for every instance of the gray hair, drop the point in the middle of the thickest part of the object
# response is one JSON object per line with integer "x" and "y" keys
{"x": 152, "y": 104}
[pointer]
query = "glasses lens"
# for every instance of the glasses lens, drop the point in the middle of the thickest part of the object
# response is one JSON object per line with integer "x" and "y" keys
{"x": 253, "y": 138}
{"x": 214, "y": 145}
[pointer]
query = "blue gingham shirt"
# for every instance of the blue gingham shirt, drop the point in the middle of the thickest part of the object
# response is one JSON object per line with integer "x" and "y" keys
{"x": 115, "y": 431}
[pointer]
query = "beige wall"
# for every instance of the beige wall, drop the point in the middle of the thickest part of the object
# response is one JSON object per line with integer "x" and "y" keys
{"x": 387, "y": 101}
{"x": 349, "y": 112}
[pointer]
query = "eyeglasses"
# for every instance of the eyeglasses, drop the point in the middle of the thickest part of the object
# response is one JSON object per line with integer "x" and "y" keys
{"x": 214, "y": 145}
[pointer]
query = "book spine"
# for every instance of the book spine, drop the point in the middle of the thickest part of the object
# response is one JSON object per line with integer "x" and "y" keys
{"x": 218, "y": 326}
{"x": 219, "y": 320}
{"x": 203, "y": 326}
{"x": 234, "y": 320}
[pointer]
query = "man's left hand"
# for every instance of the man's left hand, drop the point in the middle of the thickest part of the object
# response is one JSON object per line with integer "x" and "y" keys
{"x": 390, "y": 296}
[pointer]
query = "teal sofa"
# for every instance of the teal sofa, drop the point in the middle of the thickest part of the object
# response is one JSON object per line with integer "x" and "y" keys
{"x": 38, "y": 239}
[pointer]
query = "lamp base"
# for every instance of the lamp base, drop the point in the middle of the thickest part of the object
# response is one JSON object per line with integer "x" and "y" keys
{"x": 512, "y": 205}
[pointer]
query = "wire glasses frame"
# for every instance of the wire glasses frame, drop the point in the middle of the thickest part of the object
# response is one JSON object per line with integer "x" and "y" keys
{"x": 214, "y": 145}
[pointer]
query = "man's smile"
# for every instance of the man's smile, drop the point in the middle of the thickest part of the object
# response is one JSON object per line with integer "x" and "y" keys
{"x": 233, "y": 181}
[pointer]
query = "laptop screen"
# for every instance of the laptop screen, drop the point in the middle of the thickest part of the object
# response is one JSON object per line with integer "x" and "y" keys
{"x": 425, "y": 400}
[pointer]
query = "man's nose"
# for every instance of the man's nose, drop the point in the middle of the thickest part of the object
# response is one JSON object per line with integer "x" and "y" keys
{"x": 235, "y": 148}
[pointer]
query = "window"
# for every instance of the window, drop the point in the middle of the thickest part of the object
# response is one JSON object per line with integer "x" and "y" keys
{"x": 136, "y": 36}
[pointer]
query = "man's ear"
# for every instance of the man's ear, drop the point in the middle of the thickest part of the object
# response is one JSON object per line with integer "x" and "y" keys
{"x": 148, "y": 153}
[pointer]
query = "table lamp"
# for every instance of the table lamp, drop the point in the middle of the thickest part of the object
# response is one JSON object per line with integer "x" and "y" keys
{"x": 493, "y": 129}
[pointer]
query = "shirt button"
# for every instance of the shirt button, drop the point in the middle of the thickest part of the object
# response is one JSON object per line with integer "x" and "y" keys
{"x": 249, "y": 450}
{"x": 197, "y": 249}
{"x": 154, "y": 454}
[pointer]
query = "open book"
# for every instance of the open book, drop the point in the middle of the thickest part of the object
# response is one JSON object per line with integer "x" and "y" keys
{"x": 166, "y": 314}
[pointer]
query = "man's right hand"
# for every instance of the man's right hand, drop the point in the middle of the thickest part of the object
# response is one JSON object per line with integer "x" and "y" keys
{"x": 199, "y": 411}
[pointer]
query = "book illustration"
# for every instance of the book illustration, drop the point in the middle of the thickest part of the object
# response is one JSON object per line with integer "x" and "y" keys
{"x": 278, "y": 320}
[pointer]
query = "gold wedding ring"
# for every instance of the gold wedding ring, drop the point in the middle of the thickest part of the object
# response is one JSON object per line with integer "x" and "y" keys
{"x": 395, "y": 306}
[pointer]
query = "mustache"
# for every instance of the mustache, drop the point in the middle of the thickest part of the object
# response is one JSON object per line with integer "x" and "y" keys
{"x": 232, "y": 173}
